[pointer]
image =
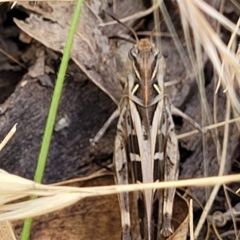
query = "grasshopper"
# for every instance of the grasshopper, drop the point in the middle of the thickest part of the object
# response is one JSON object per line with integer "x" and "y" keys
{"x": 146, "y": 147}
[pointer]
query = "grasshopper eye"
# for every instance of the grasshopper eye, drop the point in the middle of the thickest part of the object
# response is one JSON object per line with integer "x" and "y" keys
{"x": 133, "y": 53}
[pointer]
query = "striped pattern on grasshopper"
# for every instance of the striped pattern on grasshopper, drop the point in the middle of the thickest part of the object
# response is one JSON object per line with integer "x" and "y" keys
{"x": 146, "y": 147}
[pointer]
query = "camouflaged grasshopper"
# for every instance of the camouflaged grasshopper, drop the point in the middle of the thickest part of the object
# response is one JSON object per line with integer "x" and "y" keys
{"x": 146, "y": 146}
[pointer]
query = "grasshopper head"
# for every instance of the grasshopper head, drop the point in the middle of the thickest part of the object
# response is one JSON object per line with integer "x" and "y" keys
{"x": 145, "y": 57}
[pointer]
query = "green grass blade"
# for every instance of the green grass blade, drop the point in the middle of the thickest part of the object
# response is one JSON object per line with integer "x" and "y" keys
{"x": 53, "y": 111}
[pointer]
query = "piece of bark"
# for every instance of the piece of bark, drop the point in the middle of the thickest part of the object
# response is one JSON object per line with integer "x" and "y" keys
{"x": 87, "y": 108}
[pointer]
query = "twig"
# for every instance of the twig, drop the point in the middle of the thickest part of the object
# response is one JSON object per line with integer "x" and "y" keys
{"x": 134, "y": 16}
{"x": 8, "y": 137}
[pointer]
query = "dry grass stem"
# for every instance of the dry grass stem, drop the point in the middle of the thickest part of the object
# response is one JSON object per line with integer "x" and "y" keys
{"x": 134, "y": 16}
{"x": 100, "y": 173}
{"x": 54, "y": 198}
{"x": 12, "y": 58}
{"x": 212, "y": 126}
{"x": 211, "y": 42}
{"x": 8, "y": 137}
{"x": 191, "y": 219}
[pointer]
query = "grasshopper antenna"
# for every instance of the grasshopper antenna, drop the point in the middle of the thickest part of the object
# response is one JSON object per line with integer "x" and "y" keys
{"x": 130, "y": 29}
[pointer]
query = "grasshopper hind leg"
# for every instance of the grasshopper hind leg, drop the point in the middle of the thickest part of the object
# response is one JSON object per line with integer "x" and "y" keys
{"x": 123, "y": 199}
{"x": 121, "y": 177}
{"x": 126, "y": 234}
{"x": 166, "y": 230}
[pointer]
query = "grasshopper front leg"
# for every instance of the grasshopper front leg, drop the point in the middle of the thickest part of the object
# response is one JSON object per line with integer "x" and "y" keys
{"x": 104, "y": 128}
